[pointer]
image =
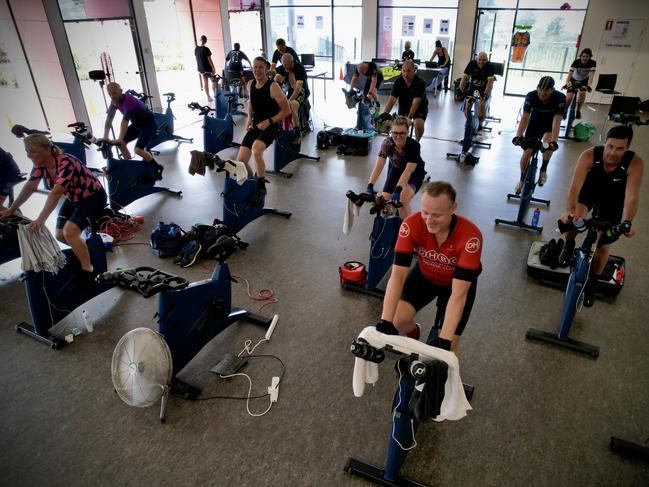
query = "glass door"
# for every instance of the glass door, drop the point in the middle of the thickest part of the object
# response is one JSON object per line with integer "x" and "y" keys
{"x": 249, "y": 22}
{"x": 108, "y": 45}
{"x": 493, "y": 36}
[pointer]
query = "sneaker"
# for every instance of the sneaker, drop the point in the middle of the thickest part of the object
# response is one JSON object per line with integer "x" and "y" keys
{"x": 209, "y": 99}
{"x": 567, "y": 253}
{"x": 589, "y": 292}
{"x": 191, "y": 255}
{"x": 547, "y": 251}
{"x": 414, "y": 334}
{"x": 518, "y": 187}
{"x": 258, "y": 197}
{"x": 159, "y": 168}
{"x": 578, "y": 114}
{"x": 543, "y": 177}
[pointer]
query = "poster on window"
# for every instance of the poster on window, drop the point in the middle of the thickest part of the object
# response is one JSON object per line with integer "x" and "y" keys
{"x": 428, "y": 26}
{"x": 300, "y": 21}
{"x": 408, "y": 26}
{"x": 319, "y": 22}
{"x": 387, "y": 23}
{"x": 443, "y": 27}
{"x": 621, "y": 29}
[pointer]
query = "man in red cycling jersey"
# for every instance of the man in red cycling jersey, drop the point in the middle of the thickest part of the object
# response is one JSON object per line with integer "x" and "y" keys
{"x": 448, "y": 249}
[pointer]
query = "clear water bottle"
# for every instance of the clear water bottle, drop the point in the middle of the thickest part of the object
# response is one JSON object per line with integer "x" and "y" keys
{"x": 535, "y": 217}
{"x": 87, "y": 321}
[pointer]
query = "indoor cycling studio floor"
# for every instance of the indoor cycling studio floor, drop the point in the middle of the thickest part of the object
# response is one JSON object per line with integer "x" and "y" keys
{"x": 542, "y": 415}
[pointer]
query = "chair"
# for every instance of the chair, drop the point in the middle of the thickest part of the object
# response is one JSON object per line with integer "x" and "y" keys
{"x": 627, "y": 105}
{"x": 308, "y": 60}
{"x": 606, "y": 86}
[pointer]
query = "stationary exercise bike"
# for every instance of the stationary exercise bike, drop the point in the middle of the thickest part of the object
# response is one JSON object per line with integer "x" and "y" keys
{"x": 287, "y": 150}
{"x": 237, "y": 191}
{"x": 164, "y": 122}
{"x": 579, "y": 273}
{"x": 415, "y": 360}
{"x": 129, "y": 180}
{"x": 51, "y": 297}
{"x": 218, "y": 133}
{"x": 529, "y": 185}
{"x": 9, "y": 247}
{"x": 470, "y": 103}
{"x": 574, "y": 87}
{"x": 383, "y": 238}
{"x": 366, "y": 108}
{"x": 189, "y": 315}
{"x": 77, "y": 148}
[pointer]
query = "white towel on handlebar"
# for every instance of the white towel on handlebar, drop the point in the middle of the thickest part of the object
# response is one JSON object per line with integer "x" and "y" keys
{"x": 455, "y": 404}
{"x": 39, "y": 250}
{"x": 351, "y": 210}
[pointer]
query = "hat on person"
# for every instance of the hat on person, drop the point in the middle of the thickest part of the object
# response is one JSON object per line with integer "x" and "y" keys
{"x": 547, "y": 82}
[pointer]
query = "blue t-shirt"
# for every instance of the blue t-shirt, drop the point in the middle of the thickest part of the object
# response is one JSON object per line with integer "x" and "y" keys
{"x": 544, "y": 113}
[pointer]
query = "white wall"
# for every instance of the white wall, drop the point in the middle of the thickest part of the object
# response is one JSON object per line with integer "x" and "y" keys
{"x": 599, "y": 11}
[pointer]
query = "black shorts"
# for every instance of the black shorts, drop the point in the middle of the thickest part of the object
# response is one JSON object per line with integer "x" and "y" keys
{"x": 85, "y": 213}
{"x": 537, "y": 129}
{"x": 419, "y": 114}
{"x": 604, "y": 209}
{"x": 368, "y": 83}
{"x": 266, "y": 136}
{"x": 419, "y": 291}
{"x": 415, "y": 181}
{"x": 143, "y": 130}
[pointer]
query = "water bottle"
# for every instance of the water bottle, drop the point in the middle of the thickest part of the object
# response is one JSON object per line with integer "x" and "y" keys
{"x": 87, "y": 321}
{"x": 578, "y": 223}
{"x": 535, "y": 217}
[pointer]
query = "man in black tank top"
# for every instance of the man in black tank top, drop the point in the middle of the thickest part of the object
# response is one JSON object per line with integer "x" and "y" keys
{"x": 607, "y": 180}
{"x": 267, "y": 107}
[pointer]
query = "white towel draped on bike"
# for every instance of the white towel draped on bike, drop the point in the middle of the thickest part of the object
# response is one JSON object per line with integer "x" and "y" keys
{"x": 39, "y": 250}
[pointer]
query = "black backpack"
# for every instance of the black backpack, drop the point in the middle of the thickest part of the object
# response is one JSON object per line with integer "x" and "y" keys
{"x": 167, "y": 239}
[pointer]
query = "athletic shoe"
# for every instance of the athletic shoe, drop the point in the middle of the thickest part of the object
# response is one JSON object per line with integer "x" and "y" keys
{"x": 258, "y": 197}
{"x": 578, "y": 114}
{"x": 543, "y": 177}
{"x": 414, "y": 334}
{"x": 589, "y": 292}
{"x": 159, "y": 168}
{"x": 567, "y": 253}
{"x": 518, "y": 187}
{"x": 209, "y": 99}
{"x": 191, "y": 256}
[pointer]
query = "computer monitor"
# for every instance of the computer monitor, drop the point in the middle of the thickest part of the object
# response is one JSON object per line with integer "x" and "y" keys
{"x": 308, "y": 60}
{"x": 499, "y": 68}
{"x": 624, "y": 104}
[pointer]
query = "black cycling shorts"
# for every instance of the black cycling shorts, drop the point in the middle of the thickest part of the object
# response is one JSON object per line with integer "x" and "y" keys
{"x": 604, "y": 209}
{"x": 143, "y": 129}
{"x": 266, "y": 136}
{"x": 537, "y": 129}
{"x": 83, "y": 214}
{"x": 419, "y": 292}
{"x": 415, "y": 181}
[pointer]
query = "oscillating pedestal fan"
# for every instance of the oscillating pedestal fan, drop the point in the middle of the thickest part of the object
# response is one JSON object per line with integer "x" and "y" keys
{"x": 141, "y": 369}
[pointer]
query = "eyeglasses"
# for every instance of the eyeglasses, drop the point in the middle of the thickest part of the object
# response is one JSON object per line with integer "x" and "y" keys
{"x": 398, "y": 133}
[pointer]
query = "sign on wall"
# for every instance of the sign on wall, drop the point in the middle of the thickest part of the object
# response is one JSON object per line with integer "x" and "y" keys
{"x": 428, "y": 26}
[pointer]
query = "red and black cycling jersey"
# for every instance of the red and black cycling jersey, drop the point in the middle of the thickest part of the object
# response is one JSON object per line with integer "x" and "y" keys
{"x": 457, "y": 258}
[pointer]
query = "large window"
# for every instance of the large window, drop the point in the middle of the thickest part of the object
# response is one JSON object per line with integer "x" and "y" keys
{"x": 329, "y": 29}
{"x": 547, "y": 35}
{"x": 422, "y": 22}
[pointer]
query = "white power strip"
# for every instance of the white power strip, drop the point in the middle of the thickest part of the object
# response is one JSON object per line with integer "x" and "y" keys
{"x": 271, "y": 327}
{"x": 273, "y": 390}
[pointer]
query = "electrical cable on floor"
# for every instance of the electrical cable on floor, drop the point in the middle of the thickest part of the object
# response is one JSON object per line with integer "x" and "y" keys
{"x": 121, "y": 228}
{"x": 262, "y": 295}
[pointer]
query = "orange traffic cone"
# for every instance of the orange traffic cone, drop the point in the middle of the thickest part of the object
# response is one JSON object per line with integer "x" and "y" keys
{"x": 341, "y": 74}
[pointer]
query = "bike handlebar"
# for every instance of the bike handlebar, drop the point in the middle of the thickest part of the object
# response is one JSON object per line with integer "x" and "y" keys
{"x": 533, "y": 143}
{"x": 592, "y": 223}
{"x": 202, "y": 109}
{"x": 140, "y": 95}
{"x": 574, "y": 86}
{"x": 378, "y": 202}
{"x": 21, "y": 131}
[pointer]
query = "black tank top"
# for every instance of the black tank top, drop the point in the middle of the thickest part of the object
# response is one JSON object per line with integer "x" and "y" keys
{"x": 441, "y": 59}
{"x": 263, "y": 105}
{"x": 609, "y": 186}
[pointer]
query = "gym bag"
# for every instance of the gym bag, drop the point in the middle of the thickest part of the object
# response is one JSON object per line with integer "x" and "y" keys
{"x": 167, "y": 240}
{"x": 353, "y": 272}
{"x": 359, "y": 141}
{"x": 582, "y": 131}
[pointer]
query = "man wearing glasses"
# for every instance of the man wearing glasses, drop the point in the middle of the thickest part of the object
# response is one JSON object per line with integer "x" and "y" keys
{"x": 410, "y": 90}
{"x": 406, "y": 170}
{"x": 448, "y": 249}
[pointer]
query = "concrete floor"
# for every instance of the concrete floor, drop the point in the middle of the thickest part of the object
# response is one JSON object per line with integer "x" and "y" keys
{"x": 542, "y": 416}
